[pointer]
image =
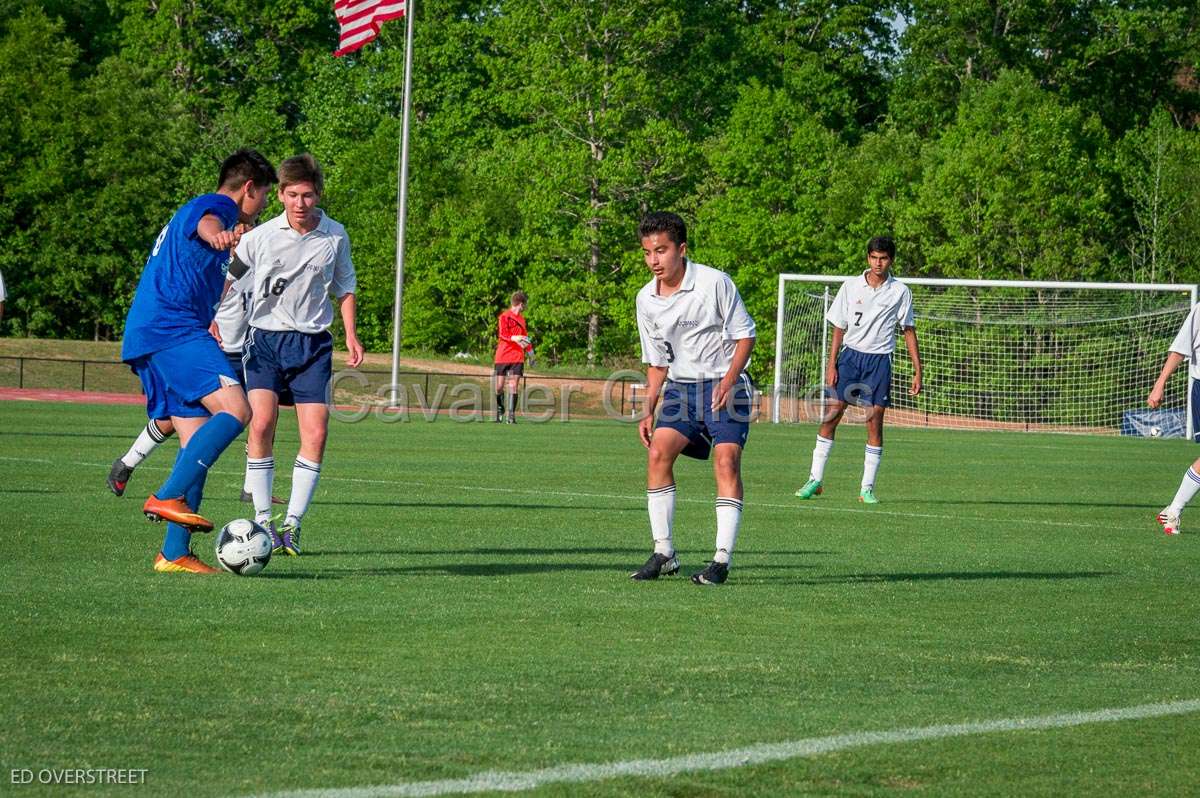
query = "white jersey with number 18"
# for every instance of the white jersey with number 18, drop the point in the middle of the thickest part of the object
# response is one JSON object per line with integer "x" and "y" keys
{"x": 295, "y": 273}
{"x": 694, "y": 331}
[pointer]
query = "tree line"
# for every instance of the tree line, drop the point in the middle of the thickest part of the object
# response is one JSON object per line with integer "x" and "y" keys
{"x": 991, "y": 138}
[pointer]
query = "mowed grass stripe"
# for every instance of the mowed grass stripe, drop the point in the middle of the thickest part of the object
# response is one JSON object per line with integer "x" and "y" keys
{"x": 501, "y": 781}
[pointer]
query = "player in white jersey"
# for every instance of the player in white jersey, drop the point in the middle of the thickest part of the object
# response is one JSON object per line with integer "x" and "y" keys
{"x": 297, "y": 260}
{"x": 696, "y": 340}
{"x": 865, "y": 315}
{"x": 1185, "y": 348}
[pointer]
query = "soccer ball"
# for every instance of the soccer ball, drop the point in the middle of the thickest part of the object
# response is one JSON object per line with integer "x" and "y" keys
{"x": 243, "y": 547}
{"x": 1156, "y": 432}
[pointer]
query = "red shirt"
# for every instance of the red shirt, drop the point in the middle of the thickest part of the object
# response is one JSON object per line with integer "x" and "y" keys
{"x": 510, "y": 324}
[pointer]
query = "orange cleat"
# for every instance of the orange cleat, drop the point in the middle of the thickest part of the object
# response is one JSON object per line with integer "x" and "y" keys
{"x": 187, "y": 564}
{"x": 177, "y": 511}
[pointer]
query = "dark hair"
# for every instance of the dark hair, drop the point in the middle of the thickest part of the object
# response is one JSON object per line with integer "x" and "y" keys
{"x": 664, "y": 222}
{"x": 882, "y": 244}
{"x": 246, "y": 165}
{"x": 302, "y": 169}
{"x": 519, "y": 298}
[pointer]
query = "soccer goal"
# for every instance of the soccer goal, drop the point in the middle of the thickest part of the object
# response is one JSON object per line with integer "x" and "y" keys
{"x": 1004, "y": 355}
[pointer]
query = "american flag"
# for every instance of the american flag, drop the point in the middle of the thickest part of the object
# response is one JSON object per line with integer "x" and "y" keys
{"x": 361, "y": 19}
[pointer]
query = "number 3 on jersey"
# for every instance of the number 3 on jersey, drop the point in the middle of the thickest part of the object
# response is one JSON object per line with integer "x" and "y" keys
{"x": 670, "y": 351}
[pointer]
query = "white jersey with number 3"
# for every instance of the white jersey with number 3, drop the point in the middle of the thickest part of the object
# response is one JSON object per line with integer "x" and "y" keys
{"x": 294, "y": 274}
{"x": 871, "y": 316}
{"x": 694, "y": 331}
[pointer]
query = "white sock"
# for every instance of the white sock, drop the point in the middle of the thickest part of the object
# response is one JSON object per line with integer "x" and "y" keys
{"x": 820, "y": 456}
{"x": 729, "y": 518}
{"x": 260, "y": 477}
{"x": 305, "y": 474}
{"x": 1187, "y": 489}
{"x": 661, "y": 504}
{"x": 147, "y": 441}
{"x": 871, "y": 466}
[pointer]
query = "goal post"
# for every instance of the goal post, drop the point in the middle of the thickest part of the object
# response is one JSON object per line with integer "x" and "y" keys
{"x": 1003, "y": 354}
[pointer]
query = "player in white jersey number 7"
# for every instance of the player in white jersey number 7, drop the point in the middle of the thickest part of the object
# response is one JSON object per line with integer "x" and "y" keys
{"x": 696, "y": 339}
{"x": 865, "y": 315}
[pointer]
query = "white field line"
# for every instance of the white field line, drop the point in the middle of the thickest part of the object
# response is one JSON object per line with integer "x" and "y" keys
{"x": 515, "y": 781}
{"x": 807, "y": 507}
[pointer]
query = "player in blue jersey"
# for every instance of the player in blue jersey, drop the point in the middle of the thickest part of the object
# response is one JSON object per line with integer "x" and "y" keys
{"x": 185, "y": 375}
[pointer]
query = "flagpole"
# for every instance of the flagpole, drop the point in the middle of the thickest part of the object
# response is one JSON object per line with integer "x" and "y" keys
{"x": 402, "y": 205}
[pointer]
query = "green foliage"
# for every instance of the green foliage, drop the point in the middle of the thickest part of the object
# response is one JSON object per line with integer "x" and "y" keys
{"x": 1013, "y": 139}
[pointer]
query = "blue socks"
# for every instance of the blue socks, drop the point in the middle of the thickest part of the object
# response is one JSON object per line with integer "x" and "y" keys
{"x": 178, "y": 541}
{"x": 198, "y": 456}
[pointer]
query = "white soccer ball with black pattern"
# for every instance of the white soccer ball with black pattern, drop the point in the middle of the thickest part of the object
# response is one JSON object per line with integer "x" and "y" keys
{"x": 1156, "y": 432}
{"x": 243, "y": 547}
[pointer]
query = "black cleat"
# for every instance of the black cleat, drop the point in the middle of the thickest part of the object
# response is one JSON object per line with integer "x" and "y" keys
{"x": 715, "y": 573}
{"x": 118, "y": 477}
{"x": 658, "y": 565}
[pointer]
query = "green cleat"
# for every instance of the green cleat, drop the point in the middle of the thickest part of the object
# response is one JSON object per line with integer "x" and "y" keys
{"x": 868, "y": 497}
{"x": 810, "y": 489}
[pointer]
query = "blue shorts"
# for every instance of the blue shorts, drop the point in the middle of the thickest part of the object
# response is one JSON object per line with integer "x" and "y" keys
{"x": 239, "y": 368}
{"x": 687, "y": 409}
{"x": 1195, "y": 411}
{"x": 290, "y": 362}
{"x": 864, "y": 379}
{"x": 176, "y": 379}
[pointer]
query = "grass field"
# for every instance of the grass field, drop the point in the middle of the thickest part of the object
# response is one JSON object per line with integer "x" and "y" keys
{"x": 463, "y": 606}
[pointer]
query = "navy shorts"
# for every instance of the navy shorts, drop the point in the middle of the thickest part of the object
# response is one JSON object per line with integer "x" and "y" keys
{"x": 237, "y": 363}
{"x": 176, "y": 379}
{"x": 1196, "y": 411}
{"x": 864, "y": 379}
{"x": 295, "y": 362}
{"x": 687, "y": 409}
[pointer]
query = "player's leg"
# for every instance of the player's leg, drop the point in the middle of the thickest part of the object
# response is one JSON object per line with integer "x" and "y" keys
{"x": 877, "y": 386}
{"x": 313, "y": 419}
{"x": 197, "y": 383}
{"x": 728, "y": 428}
{"x": 665, "y": 446}
{"x": 155, "y": 432}
{"x": 176, "y": 554}
{"x": 223, "y": 414}
{"x": 1169, "y": 517}
{"x": 308, "y": 365}
{"x": 498, "y": 384}
{"x": 260, "y": 457}
{"x": 677, "y": 429}
{"x": 835, "y": 408}
{"x": 510, "y": 390}
{"x": 873, "y": 454}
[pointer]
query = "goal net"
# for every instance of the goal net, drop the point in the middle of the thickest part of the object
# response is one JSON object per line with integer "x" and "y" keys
{"x": 1004, "y": 355}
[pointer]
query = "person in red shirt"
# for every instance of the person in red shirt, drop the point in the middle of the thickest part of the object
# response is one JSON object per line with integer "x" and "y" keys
{"x": 511, "y": 349}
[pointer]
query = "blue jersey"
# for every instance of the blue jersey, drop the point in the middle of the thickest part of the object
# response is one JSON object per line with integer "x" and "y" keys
{"x": 181, "y": 283}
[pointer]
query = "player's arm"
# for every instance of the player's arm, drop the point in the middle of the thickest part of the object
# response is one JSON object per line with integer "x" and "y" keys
{"x": 655, "y": 377}
{"x": 914, "y": 354}
{"x": 348, "y": 306}
{"x": 1174, "y": 361}
{"x": 211, "y": 230}
{"x": 835, "y": 346}
{"x": 741, "y": 356}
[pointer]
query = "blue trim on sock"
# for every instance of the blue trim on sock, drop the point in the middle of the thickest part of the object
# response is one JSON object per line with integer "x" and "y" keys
{"x": 1194, "y": 476}
{"x": 199, "y": 455}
